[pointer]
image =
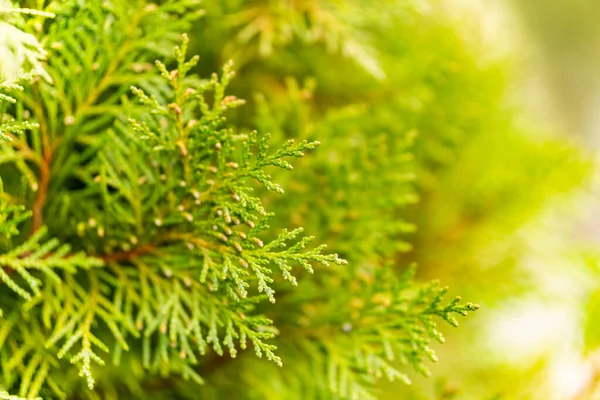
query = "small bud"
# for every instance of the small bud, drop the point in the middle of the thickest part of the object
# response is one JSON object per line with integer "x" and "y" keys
{"x": 151, "y": 7}
{"x": 158, "y": 222}
{"x": 92, "y": 222}
{"x": 229, "y": 99}
{"x": 183, "y": 149}
{"x": 218, "y": 146}
{"x": 163, "y": 328}
{"x": 183, "y": 183}
{"x": 180, "y": 207}
{"x": 237, "y": 246}
{"x": 80, "y": 229}
{"x": 69, "y": 120}
{"x": 175, "y": 108}
{"x": 383, "y": 299}
{"x": 101, "y": 231}
{"x": 189, "y": 217}
{"x": 347, "y": 327}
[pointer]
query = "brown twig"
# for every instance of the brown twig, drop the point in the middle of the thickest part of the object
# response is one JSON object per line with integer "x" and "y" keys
{"x": 92, "y": 97}
{"x": 40, "y": 200}
{"x": 128, "y": 255}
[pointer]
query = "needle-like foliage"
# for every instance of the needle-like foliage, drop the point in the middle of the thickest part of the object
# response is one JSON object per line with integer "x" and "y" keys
{"x": 146, "y": 241}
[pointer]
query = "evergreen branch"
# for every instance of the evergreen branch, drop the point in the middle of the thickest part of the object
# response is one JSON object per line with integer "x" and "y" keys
{"x": 78, "y": 311}
{"x": 11, "y": 216}
{"x": 378, "y": 331}
{"x": 211, "y": 212}
{"x": 25, "y": 361}
{"x": 113, "y": 56}
{"x": 188, "y": 319}
{"x": 139, "y": 167}
{"x": 34, "y": 255}
{"x": 11, "y": 126}
{"x": 262, "y": 28}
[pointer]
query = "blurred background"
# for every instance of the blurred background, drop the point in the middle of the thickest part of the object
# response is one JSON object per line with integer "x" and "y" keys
{"x": 503, "y": 98}
{"x": 539, "y": 336}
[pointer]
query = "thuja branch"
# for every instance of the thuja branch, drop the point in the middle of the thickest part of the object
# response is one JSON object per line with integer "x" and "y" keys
{"x": 60, "y": 127}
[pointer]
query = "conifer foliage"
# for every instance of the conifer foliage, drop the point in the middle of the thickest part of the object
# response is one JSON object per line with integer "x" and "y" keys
{"x": 135, "y": 241}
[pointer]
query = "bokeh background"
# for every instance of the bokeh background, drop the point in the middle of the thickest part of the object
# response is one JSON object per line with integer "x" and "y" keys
{"x": 539, "y": 335}
{"x": 503, "y": 97}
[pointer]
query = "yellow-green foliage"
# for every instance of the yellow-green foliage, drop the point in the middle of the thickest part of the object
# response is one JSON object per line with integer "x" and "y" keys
{"x": 183, "y": 225}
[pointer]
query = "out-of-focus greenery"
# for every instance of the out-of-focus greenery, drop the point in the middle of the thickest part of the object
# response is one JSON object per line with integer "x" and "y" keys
{"x": 365, "y": 77}
{"x": 566, "y": 36}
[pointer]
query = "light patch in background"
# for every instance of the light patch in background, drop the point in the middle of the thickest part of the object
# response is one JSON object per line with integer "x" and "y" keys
{"x": 486, "y": 25}
{"x": 19, "y": 50}
{"x": 547, "y": 325}
{"x": 569, "y": 376}
{"x": 528, "y": 329}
